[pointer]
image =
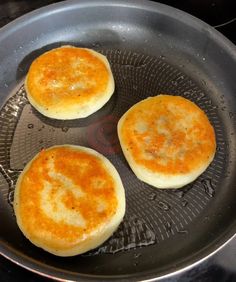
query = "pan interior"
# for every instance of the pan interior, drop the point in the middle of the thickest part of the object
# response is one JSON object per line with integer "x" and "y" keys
{"x": 154, "y": 217}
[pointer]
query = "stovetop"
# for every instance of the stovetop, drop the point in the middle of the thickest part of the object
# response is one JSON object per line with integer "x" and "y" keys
{"x": 220, "y": 14}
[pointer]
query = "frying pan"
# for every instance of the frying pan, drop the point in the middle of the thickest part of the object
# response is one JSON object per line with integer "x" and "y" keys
{"x": 152, "y": 49}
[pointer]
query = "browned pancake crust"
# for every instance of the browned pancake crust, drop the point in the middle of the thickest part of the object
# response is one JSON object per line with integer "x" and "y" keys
{"x": 84, "y": 171}
{"x": 67, "y": 76}
{"x": 168, "y": 134}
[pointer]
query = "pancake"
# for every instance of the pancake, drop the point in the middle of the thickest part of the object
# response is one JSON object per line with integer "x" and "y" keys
{"x": 69, "y": 82}
{"x": 68, "y": 200}
{"x": 167, "y": 140}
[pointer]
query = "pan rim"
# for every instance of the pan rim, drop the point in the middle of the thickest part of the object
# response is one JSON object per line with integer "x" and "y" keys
{"x": 147, "y": 5}
{"x": 138, "y": 4}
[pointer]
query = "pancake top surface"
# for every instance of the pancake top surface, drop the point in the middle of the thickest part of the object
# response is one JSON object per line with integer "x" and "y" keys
{"x": 67, "y": 75}
{"x": 167, "y": 134}
{"x": 65, "y": 196}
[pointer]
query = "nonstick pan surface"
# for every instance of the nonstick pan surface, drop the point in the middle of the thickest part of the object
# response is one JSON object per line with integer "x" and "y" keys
{"x": 152, "y": 49}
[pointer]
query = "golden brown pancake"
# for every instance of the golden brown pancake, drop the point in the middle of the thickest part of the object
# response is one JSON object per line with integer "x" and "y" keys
{"x": 69, "y": 82}
{"x": 167, "y": 140}
{"x": 68, "y": 200}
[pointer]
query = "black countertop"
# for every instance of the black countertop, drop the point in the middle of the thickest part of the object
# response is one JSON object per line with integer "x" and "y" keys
{"x": 220, "y": 14}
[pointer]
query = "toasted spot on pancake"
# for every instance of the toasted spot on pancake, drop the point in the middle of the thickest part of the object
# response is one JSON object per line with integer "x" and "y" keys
{"x": 167, "y": 140}
{"x": 68, "y": 200}
{"x": 69, "y": 82}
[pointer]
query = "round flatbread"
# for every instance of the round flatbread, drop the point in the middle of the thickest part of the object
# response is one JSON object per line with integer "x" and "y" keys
{"x": 69, "y": 82}
{"x": 68, "y": 200}
{"x": 167, "y": 140}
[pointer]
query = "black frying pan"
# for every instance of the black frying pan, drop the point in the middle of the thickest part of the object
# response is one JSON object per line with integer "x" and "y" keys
{"x": 152, "y": 49}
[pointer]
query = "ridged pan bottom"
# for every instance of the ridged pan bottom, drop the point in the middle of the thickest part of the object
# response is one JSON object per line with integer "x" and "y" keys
{"x": 152, "y": 215}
